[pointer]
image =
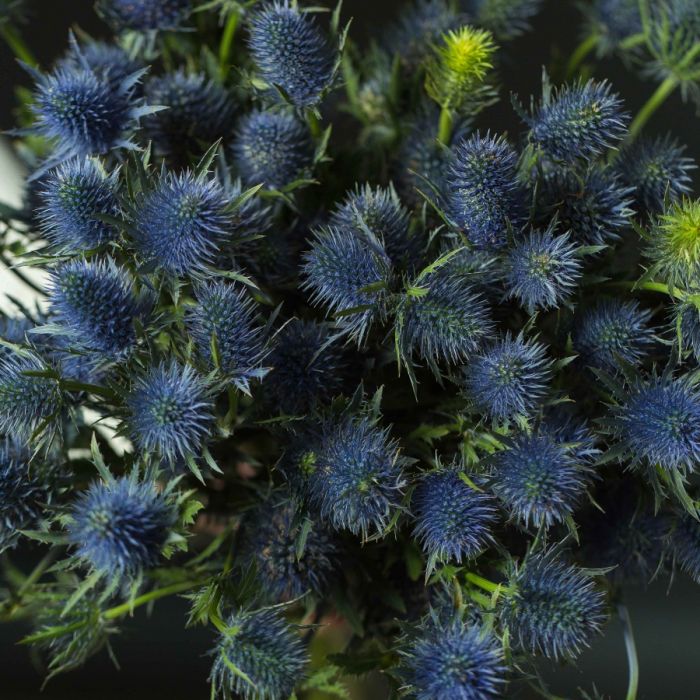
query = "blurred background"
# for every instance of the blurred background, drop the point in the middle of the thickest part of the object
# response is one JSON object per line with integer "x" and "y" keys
{"x": 158, "y": 657}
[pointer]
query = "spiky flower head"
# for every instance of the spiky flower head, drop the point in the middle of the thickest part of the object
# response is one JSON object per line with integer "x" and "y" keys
{"x": 577, "y": 122}
{"x": 119, "y": 527}
{"x": 290, "y": 52}
{"x": 507, "y": 19}
{"x": 106, "y": 60}
{"x": 450, "y": 660}
{"x": 226, "y": 334}
{"x": 73, "y": 198}
{"x": 181, "y": 221}
{"x": 686, "y": 321}
{"x": 453, "y": 519}
{"x": 482, "y": 194}
{"x": 543, "y": 269}
{"x": 613, "y": 332}
{"x": 145, "y": 15}
{"x": 14, "y": 329}
{"x": 685, "y": 542}
{"x": 170, "y": 413}
{"x": 273, "y": 148}
{"x": 554, "y": 608}
{"x": 258, "y": 656}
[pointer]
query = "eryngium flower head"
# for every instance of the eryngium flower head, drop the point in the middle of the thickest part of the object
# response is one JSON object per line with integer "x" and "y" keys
{"x": 658, "y": 170}
{"x": 180, "y": 223}
{"x": 258, "y": 656}
{"x": 554, "y": 609}
{"x": 271, "y": 540}
{"x": 482, "y": 194}
{"x": 577, "y": 122}
{"x": 505, "y": 18}
{"x": 540, "y": 479}
{"x": 543, "y": 269}
{"x": 224, "y": 319}
{"x": 307, "y": 368}
{"x": 686, "y": 319}
{"x": 339, "y": 267}
{"x": 508, "y": 379}
{"x": 96, "y": 303}
{"x": 658, "y": 423}
{"x": 291, "y": 52}
{"x": 73, "y": 198}
{"x": 119, "y": 527}
{"x": 171, "y": 413}
{"x": 685, "y": 542}
{"x": 145, "y": 15}
{"x": 453, "y": 519}
{"x": 273, "y": 148}
{"x": 613, "y": 332}
{"x": 356, "y": 479}
{"x": 453, "y": 661}
{"x": 108, "y": 61}
{"x": 200, "y": 111}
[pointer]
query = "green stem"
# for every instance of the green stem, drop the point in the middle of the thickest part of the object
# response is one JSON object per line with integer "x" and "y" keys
{"x": 314, "y": 125}
{"x": 579, "y": 55}
{"x": 127, "y": 607}
{"x": 39, "y": 571}
{"x": 445, "y": 126}
{"x": 482, "y": 582}
{"x": 16, "y": 43}
{"x": 674, "y": 292}
{"x": 653, "y": 103}
{"x": 631, "y": 649}
{"x": 227, "y": 43}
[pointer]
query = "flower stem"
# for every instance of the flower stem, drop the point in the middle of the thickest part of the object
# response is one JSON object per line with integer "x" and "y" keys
{"x": 127, "y": 607}
{"x": 227, "y": 43}
{"x": 652, "y": 104}
{"x": 16, "y": 43}
{"x": 482, "y": 583}
{"x": 445, "y": 126}
{"x": 579, "y": 55}
{"x": 631, "y": 649}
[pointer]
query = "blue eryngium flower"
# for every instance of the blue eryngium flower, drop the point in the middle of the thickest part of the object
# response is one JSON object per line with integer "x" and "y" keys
{"x": 612, "y": 332}
{"x": 505, "y": 18}
{"x": 577, "y": 122}
{"x": 483, "y": 198}
{"x": 356, "y": 479}
{"x": 339, "y": 270}
{"x": 144, "y": 15}
{"x": 73, "y": 198}
{"x": 226, "y": 334}
{"x": 543, "y": 269}
{"x": 266, "y": 653}
{"x": 170, "y": 413}
{"x": 181, "y": 222}
{"x": 453, "y": 519}
{"x": 272, "y": 148}
{"x": 291, "y": 52}
{"x": 554, "y": 608}
{"x": 108, "y": 61}
{"x": 686, "y": 320}
{"x": 508, "y": 379}
{"x": 96, "y": 303}
{"x": 453, "y": 661}
{"x": 685, "y": 542}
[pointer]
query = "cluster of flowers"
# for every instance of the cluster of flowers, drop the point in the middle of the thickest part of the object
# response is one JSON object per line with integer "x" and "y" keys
{"x": 433, "y": 386}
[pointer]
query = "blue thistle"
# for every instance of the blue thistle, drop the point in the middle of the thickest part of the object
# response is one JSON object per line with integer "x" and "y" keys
{"x": 356, "y": 480}
{"x": 553, "y": 608}
{"x": 266, "y": 652}
{"x": 225, "y": 318}
{"x": 291, "y": 53}
{"x": 543, "y": 269}
{"x": 509, "y": 379}
{"x": 180, "y": 223}
{"x": 338, "y": 269}
{"x": 483, "y": 197}
{"x": 453, "y": 519}
{"x": 449, "y": 660}
{"x": 307, "y": 367}
{"x": 170, "y": 413}
{"x": 612, "y": 332}
{"x": 73, "y": 198}
{"x": 686, "y": 315}
{"x": 685, "y": 542}
{"x": 120, "y": 527}
{"x": 145, "y": 15}
{"x": 108, "y": 61}
{"x": 15, "y": 329}
{"x": 506, "y": 19}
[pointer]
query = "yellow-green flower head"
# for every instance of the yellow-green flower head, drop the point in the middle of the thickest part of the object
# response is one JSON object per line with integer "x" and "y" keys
{"x": 457, "y": 70}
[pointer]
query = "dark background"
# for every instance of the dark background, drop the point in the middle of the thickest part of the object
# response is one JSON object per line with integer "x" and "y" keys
{"x": 159, "y": 659}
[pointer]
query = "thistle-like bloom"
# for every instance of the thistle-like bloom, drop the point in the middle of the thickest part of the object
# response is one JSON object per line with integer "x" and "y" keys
{"x": 687, "y": 314}
{"x": 540, "y": 479}
{"x": 107, "y": 61}
{"x": 170, "y": 413}
{"x": 482, "y": 193}
{"x": 200, "y": 111}
{"x": 181, "y": 222}
{"x": 578, "y": 122}
{"x": 73, "y": 198}
{"x": 451, "y": 661}
{"x": 658, "y": 170}
{"x": 273, "y": 148}
{"x": 96, "y": 303}
{"x": 507, "y": 19}
{"x": 453, "y": 519}
{"x": 554, "y": 609}
{"x": 15, "y": 330}
{"x": 145, "y": 15}
{"x": 291, "y": 52}
{"x": 224, "y": 321}
{"x": 339, "y": 268}
{"x": 307, "y": 367}
{"x": 356, "y": 482}
{"x": 543, "y": 269}
{"x": 685, "y": 542}
{"x": 658, "y": 423}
